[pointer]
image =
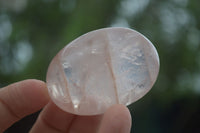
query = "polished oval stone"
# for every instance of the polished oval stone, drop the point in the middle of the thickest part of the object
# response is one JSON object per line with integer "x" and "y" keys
{"x": 101, "y": 68}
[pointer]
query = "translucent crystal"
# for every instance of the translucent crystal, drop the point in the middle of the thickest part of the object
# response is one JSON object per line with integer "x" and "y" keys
{"x": 101, "y": 68}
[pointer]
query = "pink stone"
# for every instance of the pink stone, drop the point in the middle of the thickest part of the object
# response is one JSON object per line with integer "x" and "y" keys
{"x": 101, "y": 68}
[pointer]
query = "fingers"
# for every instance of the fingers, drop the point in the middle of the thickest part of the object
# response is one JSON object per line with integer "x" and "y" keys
{"x": 116, "y": 120}
{"x": 26, "y": 97}
{"x": 20, "y": 99}
{"x": 54, "y": 120}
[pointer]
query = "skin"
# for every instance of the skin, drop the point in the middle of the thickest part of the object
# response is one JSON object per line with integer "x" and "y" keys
{"x": 26, "y": 97}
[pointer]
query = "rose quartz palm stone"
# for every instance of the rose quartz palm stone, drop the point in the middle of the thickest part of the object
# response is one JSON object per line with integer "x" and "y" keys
{"x": 101, "y": 68}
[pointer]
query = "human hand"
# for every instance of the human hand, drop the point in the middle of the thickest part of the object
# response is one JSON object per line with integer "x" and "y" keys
{"x": 23, "y": 98}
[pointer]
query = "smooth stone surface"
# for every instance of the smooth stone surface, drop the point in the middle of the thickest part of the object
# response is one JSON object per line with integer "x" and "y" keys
{"x": 101, "y": 68}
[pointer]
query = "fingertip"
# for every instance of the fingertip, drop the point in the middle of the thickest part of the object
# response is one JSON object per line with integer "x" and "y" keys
{"x": 26, "y": 96}
{"x": 34, "y": 89}
{"x": 117, "y": 119}
{"x": 20, "y": 99}
{"x": 120, "y": 114}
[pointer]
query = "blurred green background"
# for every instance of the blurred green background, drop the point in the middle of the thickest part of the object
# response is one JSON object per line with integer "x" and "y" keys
{"x": 33, "y": 31}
